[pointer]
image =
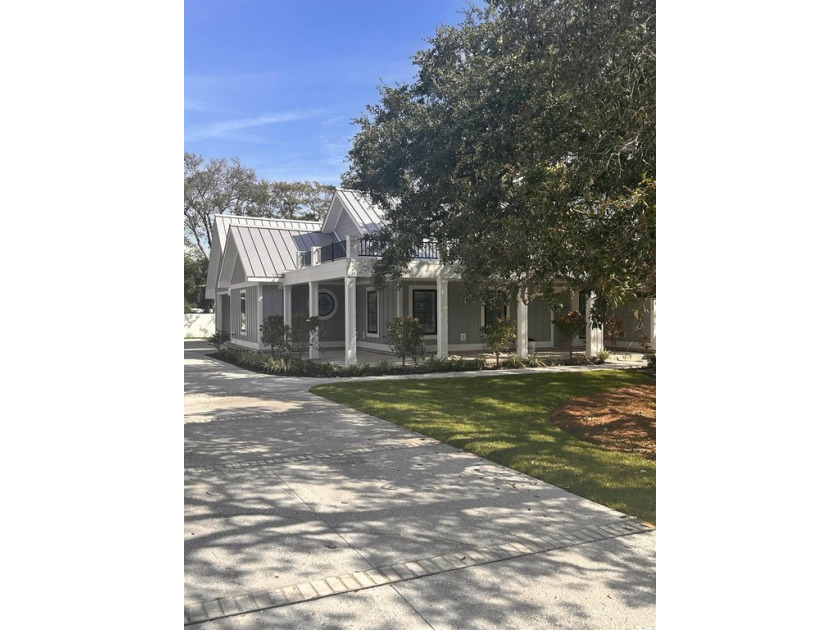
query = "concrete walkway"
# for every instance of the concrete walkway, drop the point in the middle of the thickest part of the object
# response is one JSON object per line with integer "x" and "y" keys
{"x": 302, "y": 513}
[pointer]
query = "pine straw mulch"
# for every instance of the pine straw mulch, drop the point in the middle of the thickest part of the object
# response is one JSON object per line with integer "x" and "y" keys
{"x": 622, "y": 419}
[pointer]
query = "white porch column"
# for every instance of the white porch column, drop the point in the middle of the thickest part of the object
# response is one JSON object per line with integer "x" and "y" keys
{"x": 652, "y": 332}
{"x": 350, "y": 321}
{"x": 442, "y": 318}
{"x": 259, "y": 316}
{"x": 521, "y": 328}
{"x": 594, "y": 336}
{"x": 287, "y": 304}
{"x": 313, "y": 312}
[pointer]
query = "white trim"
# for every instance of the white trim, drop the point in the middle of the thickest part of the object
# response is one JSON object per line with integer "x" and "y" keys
{"x": 245, "y": 344}
{"x": 369, "y": 345}
{"x": 368, "y": 291}
{"x": 332, "y": 313}
{"x": 243, "y": 285}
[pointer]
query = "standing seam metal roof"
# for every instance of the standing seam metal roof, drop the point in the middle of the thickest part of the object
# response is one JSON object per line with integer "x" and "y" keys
{"x": 267, "y": 252}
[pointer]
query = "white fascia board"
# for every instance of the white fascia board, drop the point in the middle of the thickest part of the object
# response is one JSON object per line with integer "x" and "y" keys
{"x": 267, "y": 280}
{"x": 335, "y": 270}
{"x": 333, "y": 212}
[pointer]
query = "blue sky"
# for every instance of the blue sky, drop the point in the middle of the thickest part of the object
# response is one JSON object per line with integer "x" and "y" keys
{"x": 277, "y": 83}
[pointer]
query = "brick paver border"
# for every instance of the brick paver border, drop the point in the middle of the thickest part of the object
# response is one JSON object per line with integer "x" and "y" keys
{"x": 198, "y": 612}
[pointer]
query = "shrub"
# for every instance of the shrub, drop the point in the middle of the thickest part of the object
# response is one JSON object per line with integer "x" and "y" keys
{"x": 570, "y": 326}
{"x": 602, "y": 356}
{"x": 498, "y": 336}
{"x": 304, "y": 334}
{"x": 516, "y": 362}
{"x": 276, "y": 334}
{"x": 219, "y": 339}
{"x": 405, "y": 338}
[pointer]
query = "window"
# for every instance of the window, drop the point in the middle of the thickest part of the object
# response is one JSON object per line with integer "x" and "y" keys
{"x": 495, "y": 310}
{"x": 424, "y": 308}
{"x": 372, "y": 313}
{"x": 326, "y": 304}
{"x": 242, "y": 318}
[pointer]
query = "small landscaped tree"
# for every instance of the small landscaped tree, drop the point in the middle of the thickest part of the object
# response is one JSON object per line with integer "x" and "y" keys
{"x": 498, "y": 336}
{"x": 570, "y": 326}
{"x": 304, "y": 333}
{"x": 219, "y": 339}
{"x": 276, "y": 334}
{"x": 405, "y": 337}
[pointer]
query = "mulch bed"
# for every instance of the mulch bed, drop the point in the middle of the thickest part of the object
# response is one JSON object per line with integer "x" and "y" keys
{"x": 623, "y": 419}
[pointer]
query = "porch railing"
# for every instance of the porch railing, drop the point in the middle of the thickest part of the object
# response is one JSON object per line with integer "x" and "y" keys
{"x": 333, "y": 251}
{"x": 368, "y": 247}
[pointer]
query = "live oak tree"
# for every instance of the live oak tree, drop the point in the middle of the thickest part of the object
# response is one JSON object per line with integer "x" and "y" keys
{"x": 526, "y": 148}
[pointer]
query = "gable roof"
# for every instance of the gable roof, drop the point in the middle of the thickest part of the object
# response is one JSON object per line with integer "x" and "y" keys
{"x": 265, "y": 252}
{"x": 221, "y": 226}
{"x": 366, "y": 216}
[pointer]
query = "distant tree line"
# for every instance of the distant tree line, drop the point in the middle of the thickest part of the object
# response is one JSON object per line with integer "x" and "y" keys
{"x": 221, "y": 186}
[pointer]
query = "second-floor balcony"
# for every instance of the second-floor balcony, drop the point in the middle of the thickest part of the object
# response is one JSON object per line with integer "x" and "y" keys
{"x": 364, "y": 247}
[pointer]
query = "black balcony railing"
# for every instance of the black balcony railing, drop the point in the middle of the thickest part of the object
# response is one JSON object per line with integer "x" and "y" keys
{"x": 368, "y": 247}
{"x": 333, "y": 251}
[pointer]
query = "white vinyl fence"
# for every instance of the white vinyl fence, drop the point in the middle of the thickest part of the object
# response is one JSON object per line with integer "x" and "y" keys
{"x": 199, "y": 325}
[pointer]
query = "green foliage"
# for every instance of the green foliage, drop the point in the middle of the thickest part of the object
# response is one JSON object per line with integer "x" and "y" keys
{"x": 526, "y": 148}
{"x": 304, "y": 333}
{"x": 405, "y": 337}
{"x": 570, "y": 326}
{"x": 195, "y": 277}
{"x": 497, "y": 336}
{"x": 276, "y": 334}
{"x": 651, "y": 362}
{"x": 227, "y": 187}
{"x": 219, "y": 339}
{"x": 602, "y": 357}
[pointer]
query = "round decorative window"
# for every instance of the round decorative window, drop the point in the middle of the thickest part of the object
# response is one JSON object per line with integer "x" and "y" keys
{"x": 326, "y": 304}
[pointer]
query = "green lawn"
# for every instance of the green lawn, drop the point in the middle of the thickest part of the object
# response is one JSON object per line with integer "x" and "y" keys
{"x": 506, "y": 419}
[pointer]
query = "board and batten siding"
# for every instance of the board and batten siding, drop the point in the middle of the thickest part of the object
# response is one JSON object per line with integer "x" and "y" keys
{"x": 539, "y": 320}
{"x": 345, "y": 227}
{"x": 251, "y": 325}
{"x": 272, "y": 300}
{"x": 332, "y": 327}
{"x": 238, "y": 273}
{"x": 222, "y": 312}
{"x": 387, "y": 307}
{"x": 464, "y": 317}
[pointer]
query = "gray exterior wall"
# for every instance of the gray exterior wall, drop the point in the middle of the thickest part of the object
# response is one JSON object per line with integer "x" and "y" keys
{"x": 251, "y": 325}
{"x": 629, "y": 321}
{"x": 539, "y": 320}
{"x": 387, "y": 305}
{"x": 272, "y": 300}
{"x": 345, "y": 226}
{"x": 223, "y": 312}
{"x": 463, "y": 317}
{"x": 238, "y": 273}
{"x": 333, "y": 327}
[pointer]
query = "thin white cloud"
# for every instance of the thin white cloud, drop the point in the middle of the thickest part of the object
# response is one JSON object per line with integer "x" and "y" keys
{"x": 225, "y": 128}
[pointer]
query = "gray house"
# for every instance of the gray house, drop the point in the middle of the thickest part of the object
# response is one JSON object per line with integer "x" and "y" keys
{"x": 260, "y": 267}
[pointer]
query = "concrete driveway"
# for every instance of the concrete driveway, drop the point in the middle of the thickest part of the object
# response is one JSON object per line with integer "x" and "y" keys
{"x": 302, "y": 513}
